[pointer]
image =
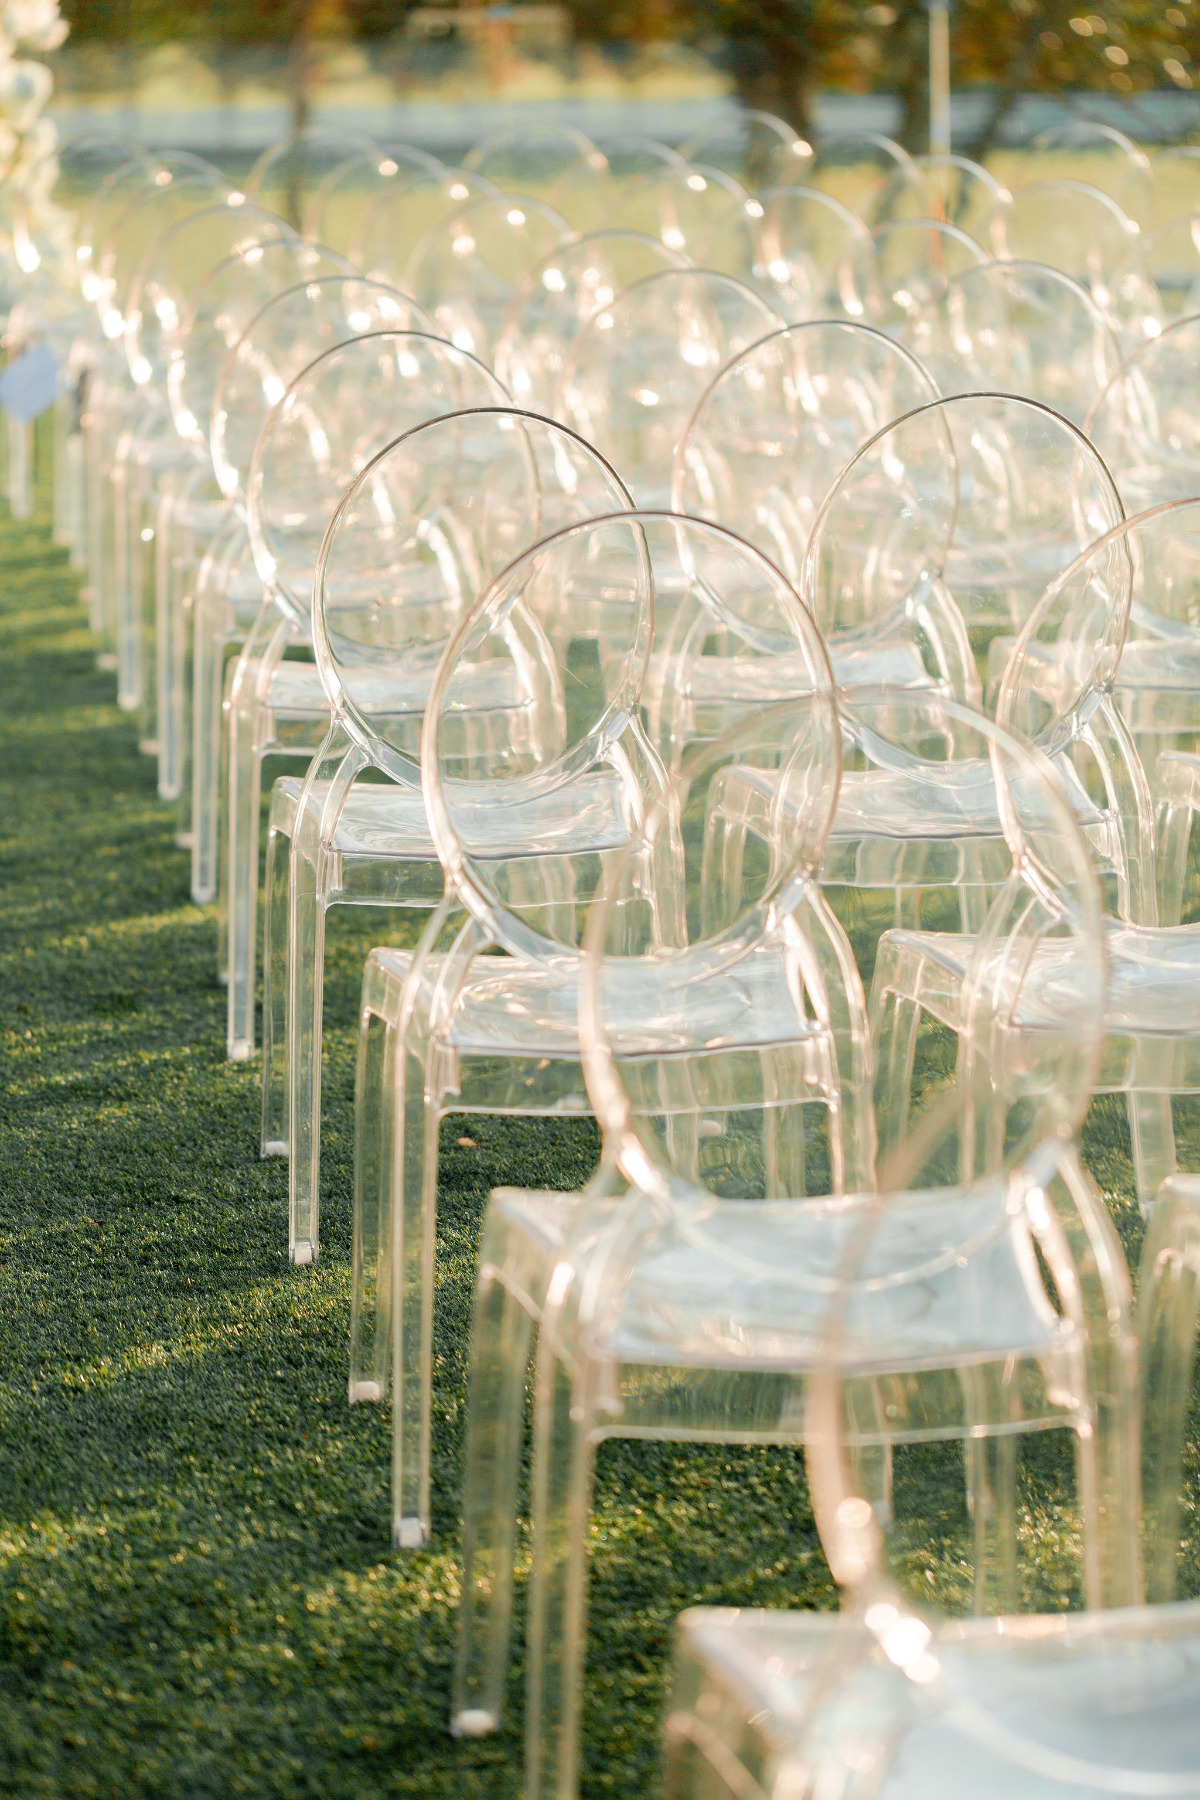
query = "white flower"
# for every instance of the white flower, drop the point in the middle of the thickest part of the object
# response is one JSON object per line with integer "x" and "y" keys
{"x": 25, "y": 88}
{"x": 34, "y": 23}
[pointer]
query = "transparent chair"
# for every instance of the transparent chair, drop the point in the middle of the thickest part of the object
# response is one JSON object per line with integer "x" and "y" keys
{"x": 1106, "y": 158}
{"x": 396, "y": 220}
{"x": 902, "y": 269}
{"x": 637, "y": 368}
{"x": 1152, "y": 1008}
{"x": 854, "y": 166}
{"x": 1067, "y": 1706}
{"x": 558, "y": 296}
{"x": 1017, "y": 328}
{"x": 211, "y": 602}
{"x": 952, "y": 189}
{"x": 968, "y": 492}
{"x": 469, "y": 264}
{"x": 166, "y": 191}
{"x": 336, "y": 415}
{"x": 804, "y": 239}
{"x": 556, "y": 163}
{"x": 764, "y": 447}
{"x": 685, "y": 1309}
{"x": 701, "y": 211}
{"x": 275, "y": 347}
{"x": 639, "y": 170}
{"x": 160, "y": 480}
{"x": 424, "y": 528}
{"x": 1085, "y": 233}
{"x": 1145, "y": 422}
{"x": 341, "y": 197}
{"x": 287, "y": 175}
{"x": 756, "y": 148}
{"x": 525, "y": 831}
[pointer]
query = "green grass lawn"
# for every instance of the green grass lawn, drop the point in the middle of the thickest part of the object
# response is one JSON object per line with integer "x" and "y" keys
{"x": 197, "y": 1596}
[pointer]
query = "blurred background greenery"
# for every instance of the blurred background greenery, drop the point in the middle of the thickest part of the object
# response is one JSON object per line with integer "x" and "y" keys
{"x": 1137, "y": 60}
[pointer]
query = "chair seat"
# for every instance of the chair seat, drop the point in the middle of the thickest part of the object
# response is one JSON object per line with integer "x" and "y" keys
{"x": 1114, "y": 1690}
{"x": 1153, "y": 977}
{"x": 382, "y": 819}
{"x": 296, "y": 688}
{"x": 518, "y": 1009}
{"x": 1160, "y": 664}
{"x": 946, "y": 1281}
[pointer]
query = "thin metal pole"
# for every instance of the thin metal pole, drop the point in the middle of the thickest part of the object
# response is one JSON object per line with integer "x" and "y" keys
{"x": 939, "y": 77}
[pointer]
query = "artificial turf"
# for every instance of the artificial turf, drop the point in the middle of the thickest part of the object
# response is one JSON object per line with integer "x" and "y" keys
{"x": 197, "y": 1596}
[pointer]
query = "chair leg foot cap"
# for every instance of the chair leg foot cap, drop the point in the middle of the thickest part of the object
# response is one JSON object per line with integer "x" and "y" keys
{"x": 303, "y": 1253}
{"x": 474, "y": 1722}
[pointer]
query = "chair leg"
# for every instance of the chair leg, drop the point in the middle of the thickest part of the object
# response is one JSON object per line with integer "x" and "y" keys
{"x": 275, "y": 1124}
{"x": 1168, "y": 1310}
{"x": 1174, "y": 835}
{"x": 306, "y": 980}
{"x": 208, "y": 681}
{"x": 414, "y": 1206}
{"x": 495, "y": 1421}
{"x": 374, "y": 1149}
{"x": 239, "y": 870}
{"x": 562, "y": 1492}
{"x": 1152, "y": 1134}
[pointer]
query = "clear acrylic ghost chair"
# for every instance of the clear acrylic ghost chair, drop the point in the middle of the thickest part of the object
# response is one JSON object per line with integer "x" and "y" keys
{"x": 637, "y": 368}
{"x": 633, "y": 201}
{"x": 424, "y": 528}
{"x": 1062, "y": 1705}
{"x": 194, "y": 609}
{"x": 1176, "y": 172}
{"x": 85, "y": 164}
{"x": 1146, "y": 424}
{"x": 287, "y": 174}
{"x": 1178, "y": 785}
{"x": 340, "y": 199}
{"x": 1106, "y": 158}
{"x": 758, "y": 149}
{"x": 1085, "y": 233}
{"x": 1159, "y": 282}
{"x": 524, "y": 833}
{"x": 557, "y": 297}
{"x": 952, "y": 189}
{"x": 703, "y": 212}
{"x": 853, "y": 166}
{"x": 272, "y": 350}
{"x": 1017, "y": 328}
{"x": 765, "y": 445}
{"x": 992, "y": 497}
{"x": 805, "y": 237}
{"x": 904, "y": 267}
{"x": 467, "y": 266}
{"x": 123, "y": 429}
{"x": 683, "y": 1311}
{"x": 161, "y": 480}
{"x": 337, "y": 414}
{"x": 168, "y": 190}
{"x": 1152, "y": 1010}
{"x": 554, "y": 162}
{"x": 399, "y": 216}
{"x": 275, "y": 347}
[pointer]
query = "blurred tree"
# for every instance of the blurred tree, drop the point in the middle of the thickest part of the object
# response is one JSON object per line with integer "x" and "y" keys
{"x": 779, "y": 53}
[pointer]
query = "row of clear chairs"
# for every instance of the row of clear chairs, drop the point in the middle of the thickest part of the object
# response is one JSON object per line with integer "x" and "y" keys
{"x": 715, "y": 605}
